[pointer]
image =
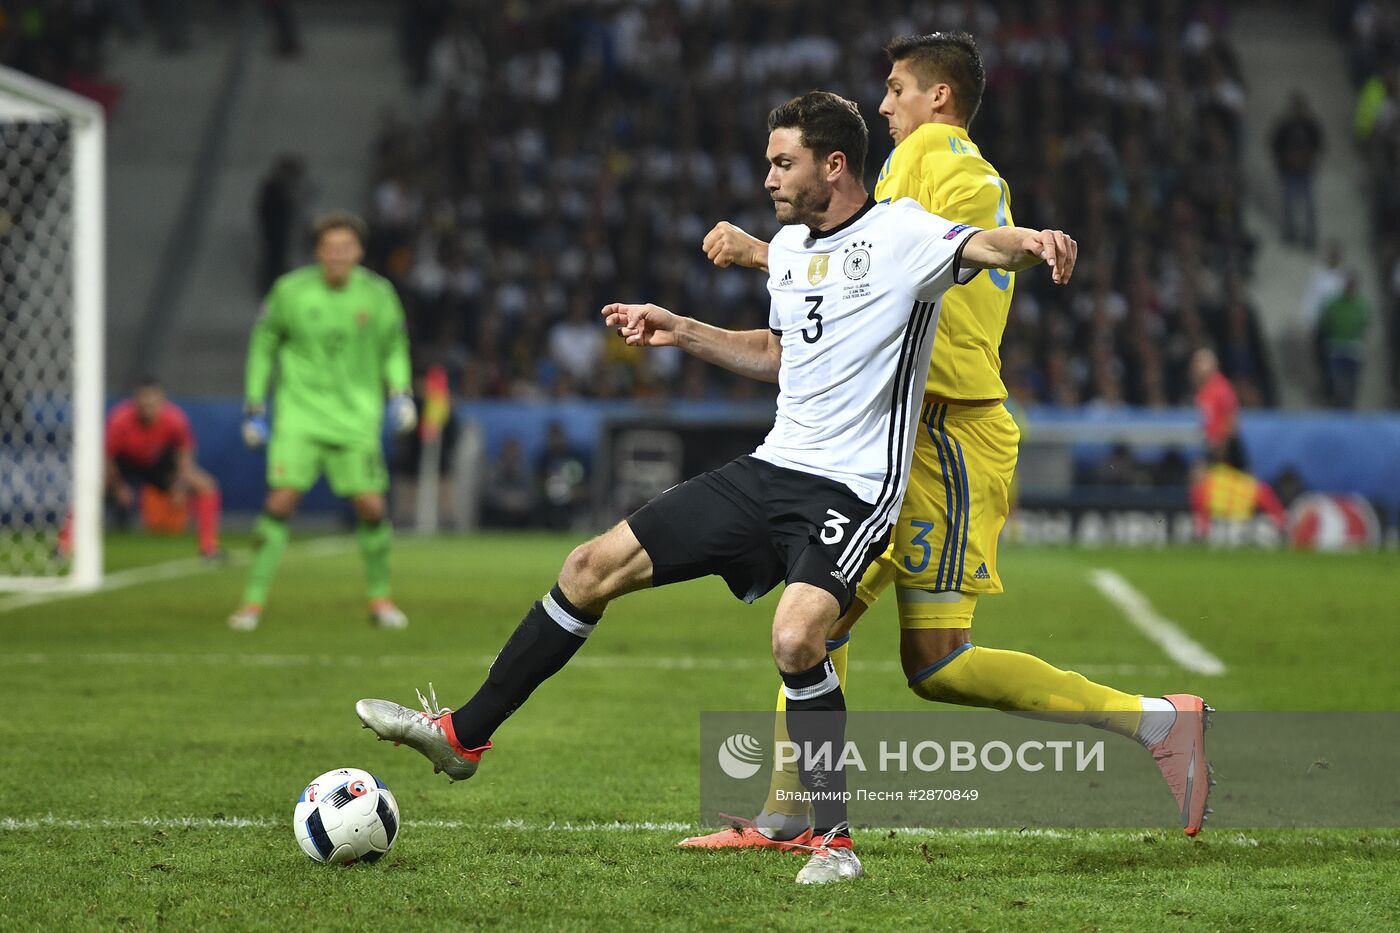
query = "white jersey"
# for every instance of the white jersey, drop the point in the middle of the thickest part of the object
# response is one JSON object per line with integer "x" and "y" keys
{"x": 856, "y": 308}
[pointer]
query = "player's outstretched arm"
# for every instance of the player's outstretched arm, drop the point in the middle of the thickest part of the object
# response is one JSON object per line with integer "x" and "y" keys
{"x": 752, "y": 353}
{"x": 728, "y": 245}
{"x": 1017, "y": 248}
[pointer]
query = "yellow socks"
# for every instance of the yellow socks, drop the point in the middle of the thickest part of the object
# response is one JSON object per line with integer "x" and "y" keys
{"x": 1022, "y": 683}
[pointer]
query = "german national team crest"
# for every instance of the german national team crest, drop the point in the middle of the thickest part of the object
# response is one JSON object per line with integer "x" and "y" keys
{"x": 816, "y": 269}
{"x": 857, "y": 262}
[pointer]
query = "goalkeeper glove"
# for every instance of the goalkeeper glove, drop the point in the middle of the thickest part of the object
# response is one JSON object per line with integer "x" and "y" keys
{"x": 402, "y": 413}
{"x": 254, "y": 426}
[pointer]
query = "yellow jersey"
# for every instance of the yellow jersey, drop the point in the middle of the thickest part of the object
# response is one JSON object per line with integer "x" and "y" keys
{"x": 942, "y": 169}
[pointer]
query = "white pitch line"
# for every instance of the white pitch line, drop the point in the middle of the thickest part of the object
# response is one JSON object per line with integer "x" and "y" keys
{"x": 1179, "y": 646}
{"x": 582, "y": 661}
{"x": 168, "y": 570}
{"x": 991, "y": 834}
{"x": 23, "y": 824}
{"x": 38, "y": 824}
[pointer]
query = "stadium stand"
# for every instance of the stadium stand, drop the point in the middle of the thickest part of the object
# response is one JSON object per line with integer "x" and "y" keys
{"x": 62, "y": 43}
{"x": 1372, "y": 33}
{"x": 1100, "y": 115}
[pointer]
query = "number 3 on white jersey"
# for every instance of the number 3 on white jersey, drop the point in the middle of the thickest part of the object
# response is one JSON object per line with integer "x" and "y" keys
{"x": 833, "y": 529}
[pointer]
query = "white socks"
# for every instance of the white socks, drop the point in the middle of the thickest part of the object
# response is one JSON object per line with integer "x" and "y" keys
{"x": 1158, "y": 717}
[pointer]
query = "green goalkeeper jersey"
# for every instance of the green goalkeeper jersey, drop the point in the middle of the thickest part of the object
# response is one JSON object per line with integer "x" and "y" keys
{"x": 337, "y": 351}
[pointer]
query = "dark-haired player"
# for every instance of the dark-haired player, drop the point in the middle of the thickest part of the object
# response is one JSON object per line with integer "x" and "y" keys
{"x": 944, "y": 550}
{"x": 335, "y": 332}
{"x": 855, "y": 289}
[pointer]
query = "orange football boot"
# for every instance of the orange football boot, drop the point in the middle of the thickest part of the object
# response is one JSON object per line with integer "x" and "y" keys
{"x": 745, "y": 834}
{"x": 1181, "y": 757}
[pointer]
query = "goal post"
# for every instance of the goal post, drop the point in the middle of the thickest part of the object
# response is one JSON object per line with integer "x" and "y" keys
{"x": 52, "y": 335}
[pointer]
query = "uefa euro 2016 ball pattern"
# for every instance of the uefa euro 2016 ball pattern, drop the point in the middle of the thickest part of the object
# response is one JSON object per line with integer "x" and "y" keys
{"x": 346, "y": 816}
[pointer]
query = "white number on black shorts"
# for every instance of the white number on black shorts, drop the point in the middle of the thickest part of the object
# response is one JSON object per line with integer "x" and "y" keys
{"x": 833, "y": 529}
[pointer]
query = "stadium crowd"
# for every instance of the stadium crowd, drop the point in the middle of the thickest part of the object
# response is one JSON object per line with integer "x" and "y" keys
{"x": 1120, "y": 122}
{"x": 1372, "y": 31}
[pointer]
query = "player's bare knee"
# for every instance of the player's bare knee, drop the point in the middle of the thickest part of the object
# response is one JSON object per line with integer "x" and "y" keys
{"x": 584, "y": 577}
{"x": 281, "y": 503}
{"x": 369, "y": 509}
{"x": 797, "y": 646}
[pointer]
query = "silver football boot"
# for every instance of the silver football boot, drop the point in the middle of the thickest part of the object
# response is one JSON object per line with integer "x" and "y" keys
{"x": 429, "y": 733}
{"x": 832, "y": 860}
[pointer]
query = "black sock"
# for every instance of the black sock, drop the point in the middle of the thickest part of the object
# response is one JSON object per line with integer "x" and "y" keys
{"x": 816, "y": 720}
{"x": 544, "y": 641}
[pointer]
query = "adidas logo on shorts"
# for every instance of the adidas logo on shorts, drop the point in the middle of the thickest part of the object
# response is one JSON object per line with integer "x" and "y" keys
{"x": 981, "y": 573}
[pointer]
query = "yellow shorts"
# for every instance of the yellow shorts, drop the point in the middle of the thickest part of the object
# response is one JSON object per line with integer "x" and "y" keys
{"x": 945, "y": 542}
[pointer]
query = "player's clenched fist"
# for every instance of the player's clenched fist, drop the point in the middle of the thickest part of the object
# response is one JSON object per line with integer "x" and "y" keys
{"x": 645, "y": 325}
{"x": 727, "y": 245}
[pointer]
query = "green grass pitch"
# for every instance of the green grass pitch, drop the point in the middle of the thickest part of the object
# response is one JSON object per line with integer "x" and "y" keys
{"x": 149, "y": 757}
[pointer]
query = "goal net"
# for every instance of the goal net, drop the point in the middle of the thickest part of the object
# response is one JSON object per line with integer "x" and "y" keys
{"x": 51, "y": 336}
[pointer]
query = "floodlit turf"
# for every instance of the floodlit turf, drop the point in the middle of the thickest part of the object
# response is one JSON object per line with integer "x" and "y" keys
{"x": 149, "y": 757}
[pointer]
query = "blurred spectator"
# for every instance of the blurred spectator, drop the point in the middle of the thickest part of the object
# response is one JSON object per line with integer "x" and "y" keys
{"x": 1120, "y": 468}
{"x": 576, "y": 343}
{"x": 1344, "y": 322}
{"x": 286, "y": 31}
{"x": 1328, "y": 280}
{"x": 1289, "y": 485}
{"x": 1297, "y": 143}
{"x": 1172, "y": 469}
{"x": 419, "y": 22}
{"x": 281, "y": 204}
{"x": 508, "y": 495}
{"x": 563, "y": 479}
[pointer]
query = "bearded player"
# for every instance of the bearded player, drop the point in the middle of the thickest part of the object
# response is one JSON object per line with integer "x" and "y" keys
{"x": 943, "y": 556}
{"x": 336, "y": 333}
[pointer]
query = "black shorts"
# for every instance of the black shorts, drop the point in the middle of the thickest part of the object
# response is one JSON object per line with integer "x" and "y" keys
{"x": 758, "y": 525}
{"x": 160, "y": 474}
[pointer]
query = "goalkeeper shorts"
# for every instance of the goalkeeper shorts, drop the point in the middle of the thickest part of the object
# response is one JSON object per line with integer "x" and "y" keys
{"x": 295, "y": 461}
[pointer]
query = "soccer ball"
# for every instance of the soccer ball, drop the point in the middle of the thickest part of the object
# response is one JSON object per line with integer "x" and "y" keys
{"x": 346, "y": 816}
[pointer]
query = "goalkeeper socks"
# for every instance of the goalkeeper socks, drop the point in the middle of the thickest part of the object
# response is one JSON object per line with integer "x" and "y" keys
{"x": 1021, "y": 683}
{"x": 816, "y": 723}
{"x": 206, "y": 520}
{"x": 549, "y": 635}
{"x": 373, "y": 538}
{"x": 785, "y": 790}
{"x": 270, "y": 536}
